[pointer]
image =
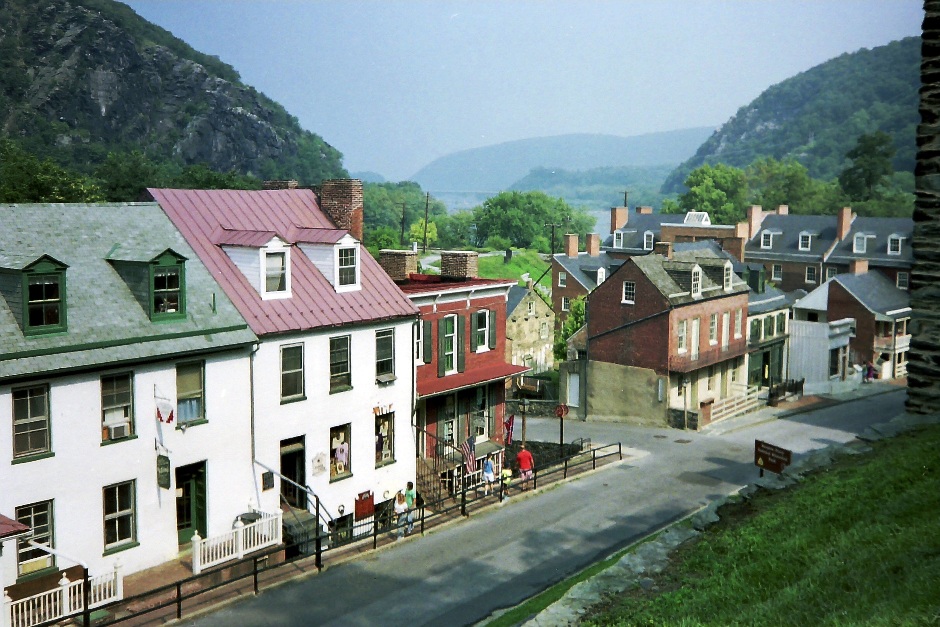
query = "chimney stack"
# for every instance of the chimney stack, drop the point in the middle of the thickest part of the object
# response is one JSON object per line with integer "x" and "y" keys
{"x": 288, "y": 184}
{"x": 645, "y": 210}
{"x": 844, "y": 222}
{"x": 618, "y": 218}
{"x": 341, "y": 200}
{"x": 783, "y": 210}
{"x": 399, "y": 264}
{"x": 663, "y": 248}
{"x": 858, "y": 266}
{"x": 459, "y": 264}
{"x": 755, "y": 216}
{"x": 592, "y": 244}
{"x": 571, "y": 245}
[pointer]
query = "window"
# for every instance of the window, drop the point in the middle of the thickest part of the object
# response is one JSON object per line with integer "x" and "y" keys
{"x": 781, "y": 322}
{"x": 340, "y": 462}
{"x": 448, "y": 351}
{"x": 189, "y": 392}
{"x": 831, "y": 271}
{"x": 31, "y": 421}
{"x": 738, "y": 316}
{"x": 618, "y": 239}
{"x": 727, "y": 278}
{"x": 648, "y": 240}
{"x": 710, "y": 378}
{"x": 805, "y": 240}
{"x": 385, "y": 355}
{"x": 894, "y": 245}
{"x": 834, "y": 362}
{"x": 696, "y": 282}
{"x": 419, "y": 341}
{"x": 629, "y": 292}
{"x": 769, "y": 326}
{"x": 117, "y": 406}
{"x": 384, "y": 438}
{"x": 811, "y": 275}
{"x": 859, "y": 243}
{"x": 766, "y": 240}
{"x": 340, "y": 373}
{"x": 565, "y": 303}
{"x": 681, "y": 339}
{"x": 601, "y": 275}
{"x": 776, "y": 272}
{"x": 543, "y": 330}
{"x": 713, "y": 329}
{"x": 275, "y": 272}
{"x": 562, "y": 279}
{"x": 481, "y": 330}
{"x": 348, "y": 268}
{"x": 530, "y": 308}
{"x": 120, "y": 525}
{"x": 903, "y": 280}
{"x": 694, "y": 338}
{"x": 45, "y": 302}
{"x": 755, "y": 331}
{"x": 167, "y": 291}
{"x": 725, "y": 329}
{"x": 29, "y": 559}
{"x": 292, "y": 372}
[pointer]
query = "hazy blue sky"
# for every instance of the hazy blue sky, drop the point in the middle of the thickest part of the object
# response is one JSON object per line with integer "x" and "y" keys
{"x": 394, "y": 85}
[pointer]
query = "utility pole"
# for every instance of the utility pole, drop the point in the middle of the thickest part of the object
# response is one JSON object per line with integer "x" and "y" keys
{"x": 427, "y": 204}
{"x": 625, "y": 193}
{"x": 402, "y": 223}
{"x": 553, "y": 225}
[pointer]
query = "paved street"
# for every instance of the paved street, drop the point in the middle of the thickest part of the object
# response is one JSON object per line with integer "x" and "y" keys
{"x": 461, "y": 573}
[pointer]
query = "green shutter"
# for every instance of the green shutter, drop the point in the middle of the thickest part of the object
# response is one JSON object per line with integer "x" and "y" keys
{"x": 440, "y": 347}
{"x": 492, "y": 330}
{"x": 428, "y": 349}
{"x": 473, "y": 332}
{"x": 461, "y": 343}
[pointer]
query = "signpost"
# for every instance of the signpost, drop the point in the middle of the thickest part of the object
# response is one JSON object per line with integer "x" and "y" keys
{"x": 163, "y": 472}
{"x": 770, "y": 457}
{"x": 561, "y": 411}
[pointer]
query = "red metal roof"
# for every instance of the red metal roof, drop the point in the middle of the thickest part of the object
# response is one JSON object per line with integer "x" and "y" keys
{"x": 202, "y": 216}
{"x": 468, "y": 378}
{"x": 10, "y": 527}
{"x": 430, "y": 283}
{"x": 231, "y": 237}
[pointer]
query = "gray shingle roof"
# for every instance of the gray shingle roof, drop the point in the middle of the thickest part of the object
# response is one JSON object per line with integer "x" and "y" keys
{"x": 879, "y": 295}
{"x": 877, "y": 230}
{"x": 786, "y": 239}
{"x": 583, "y": 269}
{"x": 673, "y": 277}
{"x": 637, "y": 226}
{"x": 106, "y": 323}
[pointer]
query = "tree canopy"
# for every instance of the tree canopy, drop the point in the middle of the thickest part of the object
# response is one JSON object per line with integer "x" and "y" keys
{"x": 24, "y": 178}
{"x": 575, "y": 320}
{"x": 525, "y": 218}
{"x": 871, "y": 165}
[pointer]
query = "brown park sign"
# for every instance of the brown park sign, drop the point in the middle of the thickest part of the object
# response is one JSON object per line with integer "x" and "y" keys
{"x": 770, "y": 457}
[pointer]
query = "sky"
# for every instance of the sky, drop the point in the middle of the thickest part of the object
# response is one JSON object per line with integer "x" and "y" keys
{"x": 395, "y": 84}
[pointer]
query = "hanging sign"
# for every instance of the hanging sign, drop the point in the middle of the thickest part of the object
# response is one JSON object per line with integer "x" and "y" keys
{"x": 163, "y": 472}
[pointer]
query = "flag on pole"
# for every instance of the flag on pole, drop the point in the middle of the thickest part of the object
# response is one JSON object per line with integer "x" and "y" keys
{"x": 508, "y": 423}
{"x": 468, "y": 449}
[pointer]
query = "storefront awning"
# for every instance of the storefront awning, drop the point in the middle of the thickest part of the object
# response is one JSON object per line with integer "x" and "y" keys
{"x": 10, "y": 528}
{"x": 468, "y": 379}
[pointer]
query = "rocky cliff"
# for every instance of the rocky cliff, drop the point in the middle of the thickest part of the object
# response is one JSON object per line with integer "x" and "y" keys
{"x": 80, "y": 78}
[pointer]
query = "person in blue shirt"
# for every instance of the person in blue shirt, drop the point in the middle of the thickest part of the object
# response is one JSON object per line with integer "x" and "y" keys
{"x": 489, "y": 474}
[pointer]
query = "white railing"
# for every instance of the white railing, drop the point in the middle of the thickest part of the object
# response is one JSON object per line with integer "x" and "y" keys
{"x": 63, "y": 601}
{"x": 235, "y": 544}
{"x": 744, "y": 401}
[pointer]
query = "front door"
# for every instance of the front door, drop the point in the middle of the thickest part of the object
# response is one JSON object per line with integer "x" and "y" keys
{"x": 190, "y": 501}
{"x": 292, "y": 467}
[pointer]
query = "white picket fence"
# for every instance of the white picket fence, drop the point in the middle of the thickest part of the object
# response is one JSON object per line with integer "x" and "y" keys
{"x": 235, "y": 544}
{"x": 63, "y": 601}
{"x": 745, "y": 399}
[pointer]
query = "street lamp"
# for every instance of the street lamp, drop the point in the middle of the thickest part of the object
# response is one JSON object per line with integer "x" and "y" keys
{"x": 523, "y": 407}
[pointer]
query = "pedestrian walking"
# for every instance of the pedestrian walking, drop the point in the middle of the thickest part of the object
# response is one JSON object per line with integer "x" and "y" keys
{"x": 489, "y": 475}
{"x": 506, "y": 475}
{"x": 410, "y": 498}
{"x": 526, "y": 464}
{"x": 401, "y": 514}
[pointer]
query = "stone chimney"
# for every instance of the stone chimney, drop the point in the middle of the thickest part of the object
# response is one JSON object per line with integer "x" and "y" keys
{"x": 571, "y": 245}
{"x": 618, "y": 218}
{"x": 663, "y": 248}
{"x": 341, "y": 199}
{"x": 858, "y": 266}
{"x": 755, "y": 216}
{"x": 399, "y": 264}
{"x": 645, "y": 210}
{"x": 529, "y": 284}
{"x": 459, "y": 264}
{"x": 290, "y": 184}
{"x": 783, "y": 210}
{"x": 844, "y": 222}
{"x": 592, "y": 244}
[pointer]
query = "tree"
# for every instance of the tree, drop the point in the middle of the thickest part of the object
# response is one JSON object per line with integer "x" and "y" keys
{"x": 871, "y": 165}
{"x": 456, "y": 230}
{"x": 521, "y": 217}
{"x": 124, "y": 176}
{"x": 416, "y": 233}
{"x": 575, "y": 320}
{"x": 24, "y": 178}
{"x": 719, "y": 189}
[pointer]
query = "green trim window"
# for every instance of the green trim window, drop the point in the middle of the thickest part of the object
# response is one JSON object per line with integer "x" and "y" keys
{"x": 340, "y": 367}
{"x": 448, "y": 354}
{"x": 29, "y": 559}
{"x": 190, "y": 396}
{"x": 167, "y": 292}
{"x": 781, "y": 322}
{"x": 384, "y": 438}
{"x": 31, "y": 421}
{"x": 292, "y": 372}
{"x": 755, "y": 330}
{"x": 120, "y": 517}
{"x": 340, "y": 445}
{"x": 117, "y": 406}
{"x": 45, "y": 305}
{"x": 385, "y": 353}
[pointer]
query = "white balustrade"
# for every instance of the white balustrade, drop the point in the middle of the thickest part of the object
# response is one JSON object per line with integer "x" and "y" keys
{"x": 235, "y": 544}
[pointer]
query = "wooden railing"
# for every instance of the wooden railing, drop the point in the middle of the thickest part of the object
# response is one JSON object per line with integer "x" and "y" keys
{"x": 67, "y": 599}
{"x": 235, "y": 544}
{"x": 746, "y": 399}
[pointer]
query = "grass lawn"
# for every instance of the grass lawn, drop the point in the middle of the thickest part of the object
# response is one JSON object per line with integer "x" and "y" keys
{"x": 495, "y": 267}
{"x": 857, "y": 543}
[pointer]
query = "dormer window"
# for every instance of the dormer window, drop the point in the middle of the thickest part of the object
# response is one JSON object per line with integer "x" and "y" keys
{"x": 894, "y": 245}
{"x": 859, "y": 243}
{"x": 44, "y": 286}
{"x": 727, "y": 277}
{"x": 601, "y": 275}
{"x": 618, "y": 239}
{"x": 766, "y": 239}
{"x": 806, "y": 240}
{"x": 275, "y": 264}
{"x": 348, "y": 267}
{"x": 696, "y": 281}
{"x": 648, "y": 240}
{"x": 167, "y": 295}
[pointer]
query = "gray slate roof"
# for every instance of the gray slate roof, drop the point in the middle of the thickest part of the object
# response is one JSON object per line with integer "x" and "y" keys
{"x": 516, "y": 294}
{"x": 637, "y": 225}
{"x": 786, "y": 231}
{"x": 583, "y": 269}
{"x": 879, "y": 295}
{"x": 107, "y": 326}
{"x": 671, "y": 276}
{"x": 878, "y": 231}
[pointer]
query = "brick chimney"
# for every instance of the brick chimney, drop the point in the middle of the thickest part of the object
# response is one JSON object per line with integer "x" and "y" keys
{"x": 844, "y": 222}
{"x": 459, "y": 264}
{"x": 663, "y": 248}
{"x": 571, "y": 245}
{"x": 341, "y": 200}
{"x": 289, "y": 184}
{"x": 645, "y": 210}
{"x": 783, "y": 210}
{"x": 858, "y": 266}
{"x": 399, "y": 264}
{"x": 618, "y": 218}
{"x": 755, "y": 215}
{"x": 592, "y": 244}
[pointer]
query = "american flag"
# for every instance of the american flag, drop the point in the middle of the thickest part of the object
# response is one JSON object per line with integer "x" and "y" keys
{"x": 508, "y": 423}
{"x": 469, "y": 454}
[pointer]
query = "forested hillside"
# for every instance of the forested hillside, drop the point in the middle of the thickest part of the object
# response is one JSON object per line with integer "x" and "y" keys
{"x": 817, "y": 116}
{"x": 82, "y": 78}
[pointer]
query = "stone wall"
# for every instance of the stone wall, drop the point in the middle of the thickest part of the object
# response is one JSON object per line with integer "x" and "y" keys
{"x": 924, "y": 357}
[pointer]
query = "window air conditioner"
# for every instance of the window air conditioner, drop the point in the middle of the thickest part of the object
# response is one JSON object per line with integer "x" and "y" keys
{"x": 119, "y": 431}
